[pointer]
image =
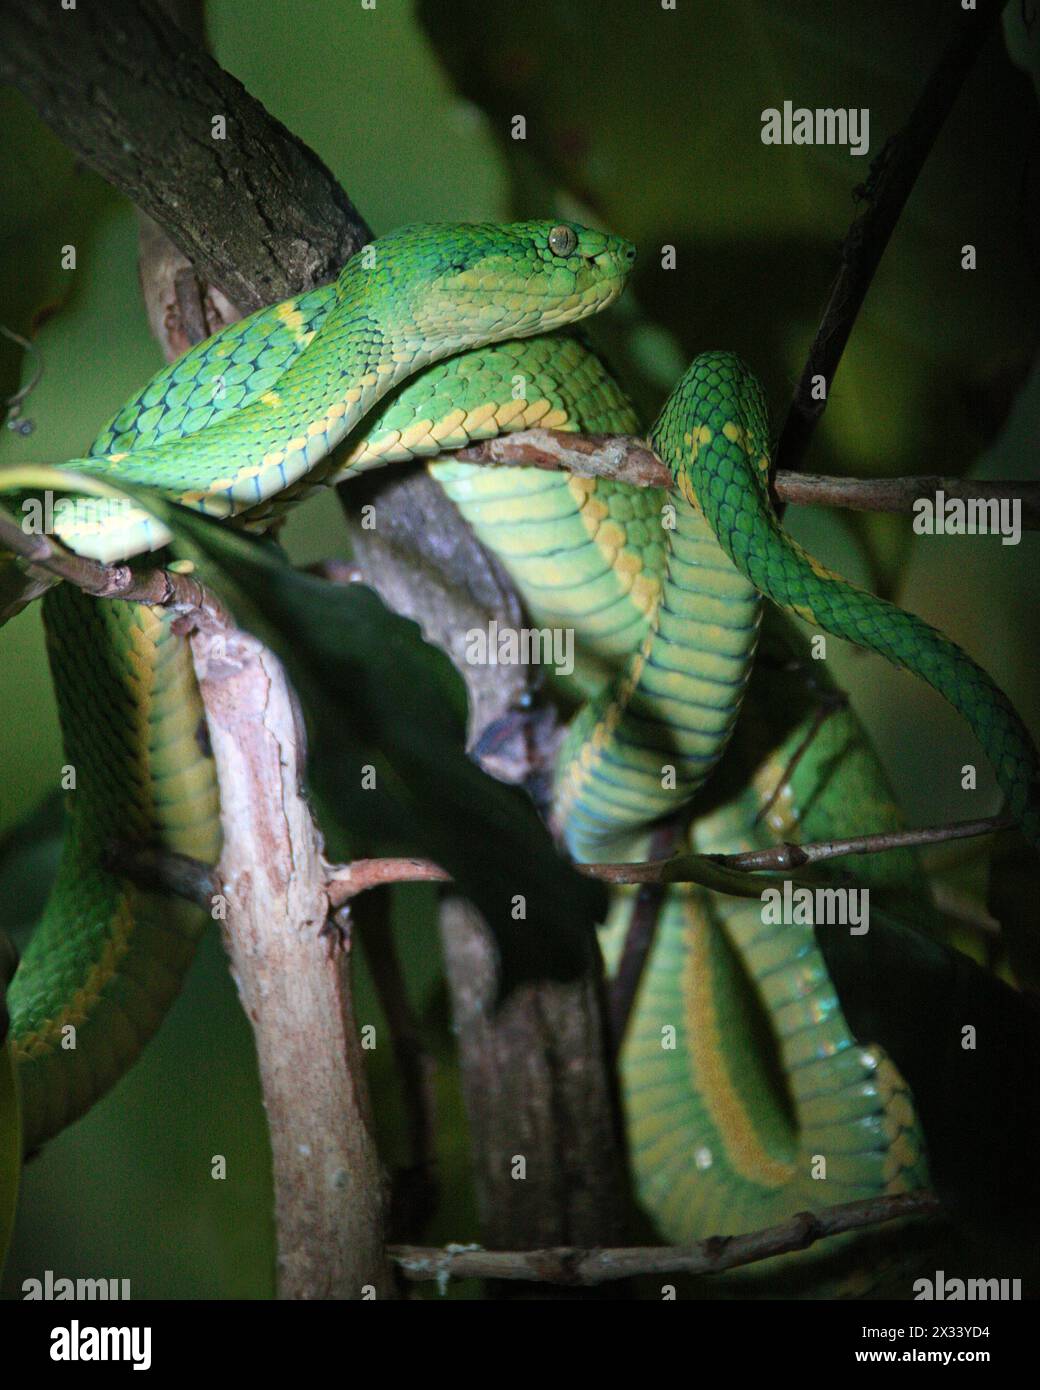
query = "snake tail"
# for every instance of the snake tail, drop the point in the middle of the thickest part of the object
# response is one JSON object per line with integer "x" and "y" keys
{"x": 725, "y": 469}
{"x": 107, "y": 959}
{"x": 727, "y": 1128}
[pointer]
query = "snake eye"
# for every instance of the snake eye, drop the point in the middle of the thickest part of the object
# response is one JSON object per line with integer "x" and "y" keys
{"x": 563, "y": 241}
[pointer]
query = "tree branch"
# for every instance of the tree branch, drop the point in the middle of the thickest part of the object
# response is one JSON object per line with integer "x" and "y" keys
{"x": 576, "y": 1266}
{"x": 163, "y": 872}
{"x": 790, "y": 856}
{"x": 639, "y": 937}
{"x": 328, "y": 1186}
{"x": 622, "y": 457}
{"x": 537, "y": 1088}
{"x": 629, "y": 459}
{"x": 346, "y": 881}
{"x": 259, "y": 215}
{"x": 696, "y": 868}
{"x": 889, "y": 184}
{"x": 191, "y": 880}
{"x": 254, "y": 208}
{"x": 157, "y": 586}
{"x": 900, "y": 494}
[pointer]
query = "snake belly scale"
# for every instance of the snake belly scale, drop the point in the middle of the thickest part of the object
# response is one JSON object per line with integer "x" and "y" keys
{"x": 417, "y": 348}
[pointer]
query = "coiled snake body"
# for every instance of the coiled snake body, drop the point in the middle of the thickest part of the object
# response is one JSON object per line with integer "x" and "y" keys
{"x": 418, "y": 348}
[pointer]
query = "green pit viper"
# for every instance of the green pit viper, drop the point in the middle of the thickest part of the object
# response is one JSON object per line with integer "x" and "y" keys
{"x": 415, "y": 349}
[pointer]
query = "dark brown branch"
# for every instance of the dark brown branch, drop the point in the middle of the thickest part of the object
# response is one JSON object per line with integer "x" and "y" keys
{"x": 156, "y": 586}
{"x": 629, "y": 459}
{"x": 574, "y": 1266}
{"x": 890, "y": 183}
{"x": 188, "y": 879}
{"x": 415, "y": 1189}
{"x": 535, "y": 1083}
{"x": 691, "y": 868}
{"x": 790, "y": 856}
{"x": 163, "y": 872}
{"x": 900, "y": 494}
{"x": 257, "y": 212}
{"x": 639, "y": 938}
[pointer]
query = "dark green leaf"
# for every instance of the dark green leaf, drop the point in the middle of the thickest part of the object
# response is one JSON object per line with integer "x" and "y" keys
{"x": 915, "y": 998}
{"x": 376, "y": 694}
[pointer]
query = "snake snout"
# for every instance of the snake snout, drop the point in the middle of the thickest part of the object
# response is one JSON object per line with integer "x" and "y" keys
{"x": 622, "y": 255}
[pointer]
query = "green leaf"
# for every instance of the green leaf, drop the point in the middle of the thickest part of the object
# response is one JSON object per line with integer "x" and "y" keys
{"x": 376, "y": 694}
{"x": 29, "y": 854}
{"x": 915, "y": 997}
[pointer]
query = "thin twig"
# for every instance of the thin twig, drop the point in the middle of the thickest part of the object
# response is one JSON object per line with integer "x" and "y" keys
{"x": 13, "y": 405}
{"x": 346, "y": 881}
{"x": 902, "y": 494}
{"x": 575, "y": 1266}
{"x": 890, "y": 183}
{"x": 683, "y": 868}
{"x": 194, "y": 881}
{"x": 639, "y": 938}
{"x": 629, "y": 459}
{"x": 154, "y": 586}
{"x": 789, "y": 856}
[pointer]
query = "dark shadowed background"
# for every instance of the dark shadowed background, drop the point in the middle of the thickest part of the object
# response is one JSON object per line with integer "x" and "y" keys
{"x": 647, "y": 121}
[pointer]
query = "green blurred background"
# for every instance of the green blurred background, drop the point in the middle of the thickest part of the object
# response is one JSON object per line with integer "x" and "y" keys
{"x": 648, "y": 121}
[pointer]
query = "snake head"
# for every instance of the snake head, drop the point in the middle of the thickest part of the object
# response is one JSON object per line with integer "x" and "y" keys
{"x": 451, "y": 286}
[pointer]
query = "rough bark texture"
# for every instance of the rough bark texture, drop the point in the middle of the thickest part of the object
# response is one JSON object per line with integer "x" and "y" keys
{"x": 536, "y": 1087}
{"x": 293, "y": 987}
{"x": 256, "y": 211}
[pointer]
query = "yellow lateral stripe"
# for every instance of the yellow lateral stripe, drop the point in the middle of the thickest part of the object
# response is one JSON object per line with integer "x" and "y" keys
{"x": 709, "y": 1076}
